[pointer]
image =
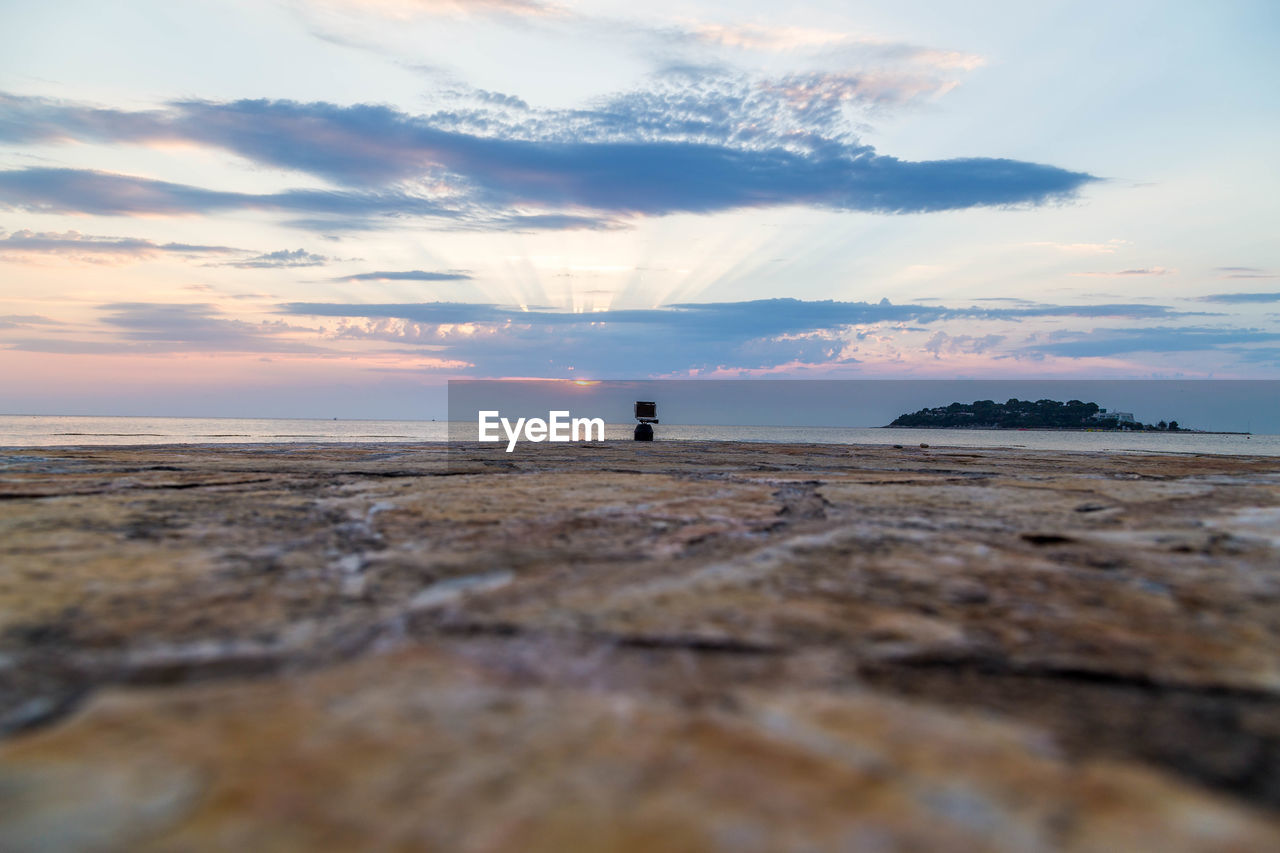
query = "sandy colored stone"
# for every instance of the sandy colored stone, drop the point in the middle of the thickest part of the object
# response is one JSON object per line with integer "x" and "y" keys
{"x": 423, "y": 750}
{"x": 675, "y": 646}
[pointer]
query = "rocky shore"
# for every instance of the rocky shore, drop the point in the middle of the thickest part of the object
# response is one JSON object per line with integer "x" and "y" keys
{"x": 677, "y": 646}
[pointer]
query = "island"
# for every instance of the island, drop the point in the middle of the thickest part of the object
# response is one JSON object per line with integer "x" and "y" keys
{"x": 1026, "y": 414}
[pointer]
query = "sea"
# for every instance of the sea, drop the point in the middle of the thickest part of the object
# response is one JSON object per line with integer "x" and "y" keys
{"x": 69, "y": 430}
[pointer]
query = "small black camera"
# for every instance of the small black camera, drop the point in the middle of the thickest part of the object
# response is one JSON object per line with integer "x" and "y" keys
{"x": 647, "y": 414}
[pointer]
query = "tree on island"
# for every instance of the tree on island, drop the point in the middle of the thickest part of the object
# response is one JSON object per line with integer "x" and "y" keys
{"x": 1023, "y": 414}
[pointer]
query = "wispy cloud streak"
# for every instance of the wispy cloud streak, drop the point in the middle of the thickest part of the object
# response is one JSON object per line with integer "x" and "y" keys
{"x": 22, "y": 245}
{"x": 1140, "y": 272}
{"x": 405, "y": 275}
{"x": 1156, "y": 339}
{"x": 281, "y": 259}
{"x": 1241, "y": 298}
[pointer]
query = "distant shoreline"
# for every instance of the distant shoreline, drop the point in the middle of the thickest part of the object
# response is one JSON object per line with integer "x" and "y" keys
{"x": 1069, "y": 429}
{"x": 334, "y": 434}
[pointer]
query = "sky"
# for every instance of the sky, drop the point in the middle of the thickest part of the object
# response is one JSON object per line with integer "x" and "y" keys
{"x": 325, "y": 208}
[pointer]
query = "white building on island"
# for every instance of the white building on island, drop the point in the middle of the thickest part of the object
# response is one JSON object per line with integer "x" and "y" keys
{"x": 1104, "y": 415}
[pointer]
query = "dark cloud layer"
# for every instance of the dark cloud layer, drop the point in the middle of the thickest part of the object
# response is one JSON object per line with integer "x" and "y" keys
{"x": 761, "y": 317}
{"x": 756, "y": 317}
{"x": 502, "y": 341}
{"x": 692, "y": 150}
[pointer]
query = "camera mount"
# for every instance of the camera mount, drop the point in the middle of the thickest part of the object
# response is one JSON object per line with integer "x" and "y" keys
{"x": 646, "y": 412}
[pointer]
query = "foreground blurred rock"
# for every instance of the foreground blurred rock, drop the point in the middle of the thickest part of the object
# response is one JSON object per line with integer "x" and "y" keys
{"x": 677, "y": 646}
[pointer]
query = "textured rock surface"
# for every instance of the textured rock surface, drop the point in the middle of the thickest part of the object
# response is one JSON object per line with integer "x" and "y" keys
{"x": 670, "y": 646}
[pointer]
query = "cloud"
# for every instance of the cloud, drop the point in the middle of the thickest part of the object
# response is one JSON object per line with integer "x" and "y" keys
{"x": 1130, "y": 273}
{"x": 552, "y": 222}
{"x": 402, "y": 10}
{"x": 942, "y": 343}
{"x": 815, "y": 92}
{"x": 84, "y": 191}
{"x": 755, "y": 317}
{"x": 766, "y": 38}
{"x": 844, "y": 49}
{"x": 88, "y": 248}
{"x": 203, "y": 327}
{"x": 149, "y": 327}
{"x": 494, "y": 340}
{"x": 1110, "y": 342}
{"x": 46, "y": 190}
{"x": 1082, "y": 248}
{"x": 1261, "y": 355}
{"x": 283, "y": 258}
{"x": 72, "y": 245}
{"x": 1121, "y": 309}
{"x": 25, "y": 120}
{"x": 499, "y": 341}
{"x": 696, "y": 149}
{"x": 735, "y": 319}
{"x": 761, "y": 334}
{"x": 1235, "y": 298}
{"x": 23, "y": 321}
{"x": 790, "y": 39}
{"x": 405, "y": 275}
{"x": 1244, "y": 272}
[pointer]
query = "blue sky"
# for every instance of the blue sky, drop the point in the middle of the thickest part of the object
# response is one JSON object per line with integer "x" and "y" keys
{"x": 319, "y": 207}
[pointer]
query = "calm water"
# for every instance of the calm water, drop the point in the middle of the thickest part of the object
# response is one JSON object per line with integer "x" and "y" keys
{"x": 42, "y": 430}
{"x": 33, "y": 430}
